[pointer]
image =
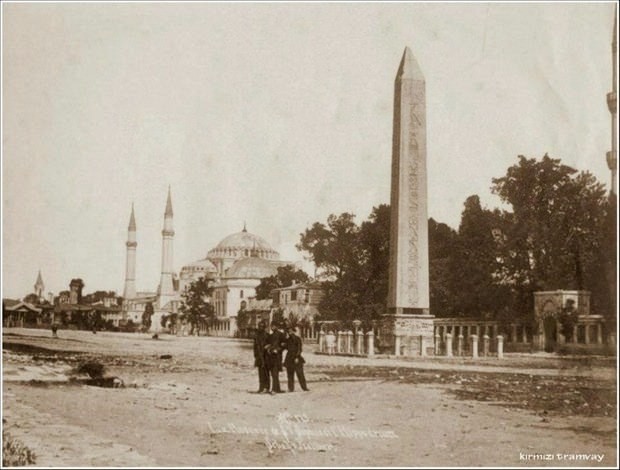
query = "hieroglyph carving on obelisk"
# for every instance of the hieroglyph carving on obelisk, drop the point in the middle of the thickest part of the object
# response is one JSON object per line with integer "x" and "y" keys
{"x": 409, "y": 272}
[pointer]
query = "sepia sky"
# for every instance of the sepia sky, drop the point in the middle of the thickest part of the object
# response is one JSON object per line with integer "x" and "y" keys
{"x": 273, "y": 114}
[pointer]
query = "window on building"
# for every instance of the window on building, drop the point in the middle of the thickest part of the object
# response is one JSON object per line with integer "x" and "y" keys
{"x": 307, "y": 296}
{"x": 241, "y": 294}
{"x": 293, "y": 295}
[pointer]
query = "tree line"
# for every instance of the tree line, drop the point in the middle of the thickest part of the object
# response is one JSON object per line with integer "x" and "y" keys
{"x": 557, "y": 230}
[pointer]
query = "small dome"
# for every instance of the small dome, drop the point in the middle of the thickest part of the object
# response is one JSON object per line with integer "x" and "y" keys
{"x": 203, "y": 266}
{"x": 251, "y": 268}
{"x": 242, "y": 245}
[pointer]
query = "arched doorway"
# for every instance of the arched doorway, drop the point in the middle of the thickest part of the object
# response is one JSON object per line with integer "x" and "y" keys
{"x": 550, "y": 328}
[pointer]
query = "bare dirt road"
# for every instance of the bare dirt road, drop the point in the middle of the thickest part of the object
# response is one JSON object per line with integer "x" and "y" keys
{"x": 198, "y": 408}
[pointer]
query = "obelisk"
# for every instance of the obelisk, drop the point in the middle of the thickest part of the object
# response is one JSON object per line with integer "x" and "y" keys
{"x": 408, "y": 328}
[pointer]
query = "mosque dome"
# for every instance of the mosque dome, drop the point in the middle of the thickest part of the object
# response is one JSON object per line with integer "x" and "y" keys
{"x": 254, "y": 268}
{"x": 200, "y": 268}
{"x": 242, "y": 245}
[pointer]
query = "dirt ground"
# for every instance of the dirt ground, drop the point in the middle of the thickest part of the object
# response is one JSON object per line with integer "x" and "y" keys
{"x": 199, "y": 407}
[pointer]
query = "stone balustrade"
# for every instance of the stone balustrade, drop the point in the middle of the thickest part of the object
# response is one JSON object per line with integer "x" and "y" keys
{"x": 347, "y": 343}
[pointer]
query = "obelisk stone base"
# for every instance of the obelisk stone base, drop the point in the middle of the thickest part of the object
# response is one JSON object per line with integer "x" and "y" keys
{"x": 415, "y": 334}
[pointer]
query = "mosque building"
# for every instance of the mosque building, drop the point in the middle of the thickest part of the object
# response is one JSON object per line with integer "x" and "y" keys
{"x": 235, "y": 266}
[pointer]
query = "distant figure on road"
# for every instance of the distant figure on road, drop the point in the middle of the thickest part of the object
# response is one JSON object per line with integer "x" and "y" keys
{"x": 294, "y": 361}
{"x": 54, "y": 330}
{"x": 260, "y": 342}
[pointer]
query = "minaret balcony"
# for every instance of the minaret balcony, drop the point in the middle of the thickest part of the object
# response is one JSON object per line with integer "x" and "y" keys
{"x": 612, "y": 102}
{"x": 131, "y": 244}
{"x": 612, "y": 160}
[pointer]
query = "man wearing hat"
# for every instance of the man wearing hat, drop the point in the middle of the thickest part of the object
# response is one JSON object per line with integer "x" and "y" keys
{"x": 276, "y": 341}
{"x": 294, "y": 361}
{"x": 260, "y": 342}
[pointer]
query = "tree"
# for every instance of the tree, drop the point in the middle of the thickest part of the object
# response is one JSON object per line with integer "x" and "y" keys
{"x": 285, "y": 277}
{"x": 374, "y": 240}
{"x": 554, "y": 234}
{"x": 243, "y": 319}
{"x": 31, "y": 299}
{"x": 195, "y": 305}
{"x": 332, "y": 247}
{"x": 441, "y": 246}
{"x": 352, "y": 263}
{"x": 97, "y": 296}
{"x": 474, "y": 267}
{"x": 146, "y": 316}
{"x": 277, "y": 316}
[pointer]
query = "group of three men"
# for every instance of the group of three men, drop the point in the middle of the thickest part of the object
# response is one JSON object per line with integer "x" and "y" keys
{"x": 268, "y": 349}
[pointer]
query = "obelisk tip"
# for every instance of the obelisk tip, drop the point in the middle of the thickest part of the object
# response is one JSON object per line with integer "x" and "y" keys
{"x": 409, "y": 67}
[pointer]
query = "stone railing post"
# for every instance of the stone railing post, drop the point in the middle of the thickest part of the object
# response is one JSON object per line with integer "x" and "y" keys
{"x": 449, "y": 344}
{"x": 397, "y": 345}
{"x": 513, "y": 334}
{"x": 575, "y": 334}
{"x": 321, "y": 341}
{"x": 371, "y": 343}
{"x": 359, "y": 340}
{"x": 474, "y": 346}
{"x": 338, "y": 342}
{"x": 500, "y": 346}
{"x": 611, "y": 340}
{"x": 485, "y": 345}
{"x": 599, "y": 333}
{"x": 422, "y": 348}
{"x": 459, "y": 345}
{"x": 437, "y": 344}
{"x": 524, "y": 334}
{"x": 586, "y": 328}
{"x": 349, "y": 342}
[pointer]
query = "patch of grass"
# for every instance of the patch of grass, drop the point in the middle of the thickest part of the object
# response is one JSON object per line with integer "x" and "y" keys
{"x": 564, "y": 395}
{"x": 586, "y": 350}
{"x": 15, "y": 453}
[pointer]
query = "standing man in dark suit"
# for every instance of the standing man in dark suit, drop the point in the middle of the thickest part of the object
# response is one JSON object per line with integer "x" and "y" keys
{"x": 273, "y": 356}
{"x": 260, "y": 342}
{"x": 294, "y": 361}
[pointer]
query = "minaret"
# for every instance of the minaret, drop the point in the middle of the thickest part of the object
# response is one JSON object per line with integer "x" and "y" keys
{"x": 129, "y": 292}
{"x": 612, "y": 99}
{"x": 166, "y": 287}
{"x": 39, "y": 287}
{"x": 407, "y": 328}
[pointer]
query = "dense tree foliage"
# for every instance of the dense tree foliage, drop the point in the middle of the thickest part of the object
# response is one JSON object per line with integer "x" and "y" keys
{"x": 557, "y": 231}
{"x": 31, "y": 299}
{"x": 285, "y": 277}
{"x": 477, "y": 290}
{"x": 554, "y": 236}
{"x": 98, "y": 296}
{"x": 352, "y": 262}
{"x": 195, "y": 307}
